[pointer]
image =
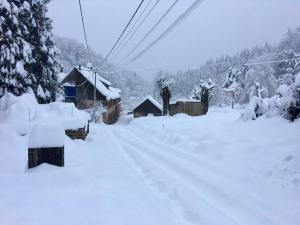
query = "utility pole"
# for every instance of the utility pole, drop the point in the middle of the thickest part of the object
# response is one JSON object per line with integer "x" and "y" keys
{"x": 95, "y": 83}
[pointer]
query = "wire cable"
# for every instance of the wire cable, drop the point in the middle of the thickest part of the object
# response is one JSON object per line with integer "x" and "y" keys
{"x": 125, "y": 42}
{"x": 150, "y": 31}
{"x": 132, "y": 27}
{"x": 84, "y": 30}
{"x": 227, "y": 63}
{"x": 124, "y": 30}
{"x": 179, "y": 20}
{"x": 269, "y": 62}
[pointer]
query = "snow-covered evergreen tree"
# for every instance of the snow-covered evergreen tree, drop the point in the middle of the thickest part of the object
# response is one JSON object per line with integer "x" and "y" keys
{"x": 28, "y": 55}
{"x": 15, "y": 51}
{"x": 291, "y": 40}
{"x": 232, "y": 83}
{"x": 45, "y": 66}
{"x": 287, "y": 69}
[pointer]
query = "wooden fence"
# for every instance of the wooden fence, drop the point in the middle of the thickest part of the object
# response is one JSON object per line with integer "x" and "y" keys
{"x": 192, "y": 108}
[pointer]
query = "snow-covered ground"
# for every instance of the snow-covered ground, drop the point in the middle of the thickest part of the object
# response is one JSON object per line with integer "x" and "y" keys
{"x": 209, "y": 170}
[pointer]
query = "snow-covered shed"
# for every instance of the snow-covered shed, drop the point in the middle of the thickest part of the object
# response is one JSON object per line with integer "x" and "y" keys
{"x": 148, "y": 106}
{"x": 81, "y": 80}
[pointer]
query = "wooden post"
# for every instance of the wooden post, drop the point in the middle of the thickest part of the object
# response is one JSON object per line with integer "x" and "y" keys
{"x": 166, "y": 95}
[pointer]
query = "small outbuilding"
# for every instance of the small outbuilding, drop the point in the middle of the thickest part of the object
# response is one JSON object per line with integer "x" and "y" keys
{"x": 149, "y": 106}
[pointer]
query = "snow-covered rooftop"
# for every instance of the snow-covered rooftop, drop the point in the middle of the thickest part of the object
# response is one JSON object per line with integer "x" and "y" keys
{"x": 152, "y": 100}
{"x": 109, "y": 93}
{"x": 86, "y": 72}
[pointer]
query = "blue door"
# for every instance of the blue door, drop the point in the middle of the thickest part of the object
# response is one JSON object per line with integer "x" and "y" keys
{"x": 70, "y": 93}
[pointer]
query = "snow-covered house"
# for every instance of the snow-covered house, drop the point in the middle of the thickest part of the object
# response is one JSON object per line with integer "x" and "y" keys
{"x": 79, "y": 82}
{"x": 149, "y": 106}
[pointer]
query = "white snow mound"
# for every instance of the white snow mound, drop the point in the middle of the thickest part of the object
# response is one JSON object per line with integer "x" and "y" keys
{"x": 46, "y": 135}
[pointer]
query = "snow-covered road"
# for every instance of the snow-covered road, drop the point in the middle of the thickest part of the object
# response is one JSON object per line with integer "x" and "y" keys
{"x": 209, "y": 170}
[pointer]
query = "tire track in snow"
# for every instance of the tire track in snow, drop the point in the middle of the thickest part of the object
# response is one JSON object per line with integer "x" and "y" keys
{"x": 206, "y": 206}
{"x": 130, "y": 161}
{"x": 243, "y": 212}
{"x": 189, "y": 140}
{"x": 220, "y": 176}
{"x": 188, "y": 211}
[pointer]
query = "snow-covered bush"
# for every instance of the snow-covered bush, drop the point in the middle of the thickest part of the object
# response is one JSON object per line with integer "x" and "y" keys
{"x": 256, "y": 108}
{"x": 286, "y": 102}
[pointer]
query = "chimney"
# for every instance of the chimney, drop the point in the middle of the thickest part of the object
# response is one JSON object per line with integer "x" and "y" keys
{"x": 79, "y": 66}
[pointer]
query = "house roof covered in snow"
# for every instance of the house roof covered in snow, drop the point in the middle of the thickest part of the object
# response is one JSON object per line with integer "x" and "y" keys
{"x": 152, "y": 100}
{"x": 102, "y": 85}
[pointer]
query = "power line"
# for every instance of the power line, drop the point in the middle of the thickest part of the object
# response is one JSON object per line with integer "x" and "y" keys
{"x": 151, "y": 30}
{"x": 131, "y": 29}
{"x": 269, "y": 62}
{"x": 87, "y": 46}
{"x": 179, "y": 20}
{"x": 84, "y": 31}
{"x": 119, "y": 38}
{"x": 226, "y": 64}
{"x": 250, "y": 63}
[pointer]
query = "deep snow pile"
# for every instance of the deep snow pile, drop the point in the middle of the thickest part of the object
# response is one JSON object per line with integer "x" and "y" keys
{"x": 21, "y": 113}
{"x": 214, "y": 169}
{"x": 45, "y": 135}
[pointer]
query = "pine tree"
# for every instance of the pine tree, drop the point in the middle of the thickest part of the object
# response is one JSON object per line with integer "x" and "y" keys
{"x": 15, "y": 52}
{"x": 43, "y": 70}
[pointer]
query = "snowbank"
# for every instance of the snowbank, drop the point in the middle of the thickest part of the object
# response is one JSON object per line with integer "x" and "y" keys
{"x": 18, "y": 112}
{"x": 22, "y": 113}
{"x": 66, "y": 113}
{"x": 45, "y": 135}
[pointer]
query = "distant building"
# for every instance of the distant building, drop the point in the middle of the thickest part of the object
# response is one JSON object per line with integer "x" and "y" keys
{"x": 79, "y": 88}
{"x": 190, "y": 107}
{"x": 149, "y": 106}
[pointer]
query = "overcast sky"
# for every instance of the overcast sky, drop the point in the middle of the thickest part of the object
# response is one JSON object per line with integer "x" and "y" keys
{"x": 216, "y": 27}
